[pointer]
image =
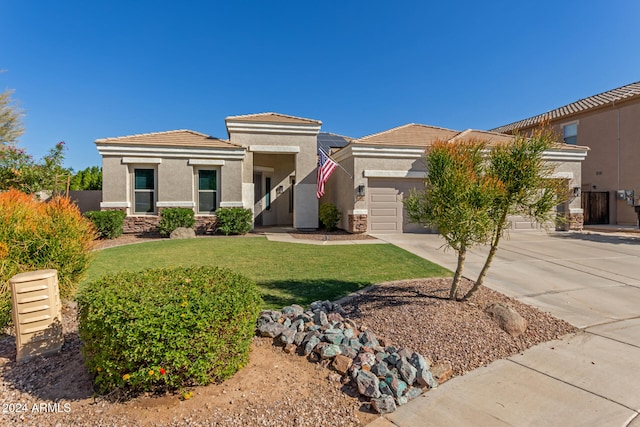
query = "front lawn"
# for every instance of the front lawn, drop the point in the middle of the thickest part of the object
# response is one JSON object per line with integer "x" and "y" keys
{"x": 286, "y": 273}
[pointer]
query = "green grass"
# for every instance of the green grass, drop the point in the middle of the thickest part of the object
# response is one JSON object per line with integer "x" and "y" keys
{"x": 286, "y": 273}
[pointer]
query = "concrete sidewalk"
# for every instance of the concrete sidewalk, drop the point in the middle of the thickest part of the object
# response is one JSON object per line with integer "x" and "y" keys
{"x": 591, "y": 378}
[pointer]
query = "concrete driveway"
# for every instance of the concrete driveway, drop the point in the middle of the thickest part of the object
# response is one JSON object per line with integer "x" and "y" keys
{"x": 588, "y": 379}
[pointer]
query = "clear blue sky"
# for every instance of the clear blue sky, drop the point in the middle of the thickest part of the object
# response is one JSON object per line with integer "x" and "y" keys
{"x": 84, "y": 70}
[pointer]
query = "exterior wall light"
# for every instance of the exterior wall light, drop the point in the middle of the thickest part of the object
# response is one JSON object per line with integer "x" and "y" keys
{"x": 360, "y": 190}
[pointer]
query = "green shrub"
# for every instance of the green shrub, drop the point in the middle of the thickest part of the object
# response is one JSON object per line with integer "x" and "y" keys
{"x": 234, "y": 220}
{"x": 108, "y": 224}
{"x": 38, "y": 235}
{"x": 329, "y": 216}
{"x": 166, "y": 329}
{"x": 172, "y": 218}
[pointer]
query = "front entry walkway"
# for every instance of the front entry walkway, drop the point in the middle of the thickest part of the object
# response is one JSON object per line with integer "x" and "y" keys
{"x": 587, "y": 379}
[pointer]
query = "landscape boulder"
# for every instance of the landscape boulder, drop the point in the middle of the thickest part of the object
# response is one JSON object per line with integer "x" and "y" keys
{"x": 508, "y": 319}
{"x": 183, "y": 233}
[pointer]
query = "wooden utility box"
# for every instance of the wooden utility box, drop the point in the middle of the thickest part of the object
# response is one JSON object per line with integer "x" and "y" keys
{"x": 36, "y": 313}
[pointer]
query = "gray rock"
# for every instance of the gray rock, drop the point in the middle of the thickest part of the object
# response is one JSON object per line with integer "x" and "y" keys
{"x": 286, "y": 323}
{"x": 354, "y": 343}
{"x": 407, "y": 371}
{"x": 380, "y": 369}
{"x": 293, "y": 309}
{"x": 426, "y": 379}
{"x": 508, "y": 319}
{"x": 391, "y": 349}
{"x": 368, "y": 338}
{"x": 383, "y": 405}
{"x": 419, "y": 361}
{"x": 385, "y": 389}
{"x": 368, "y": 384}
{"x": 298, "y": 325}
{"x": 263, "y": 320}
{"x": 299, "y": 337}
{"x": 381, "y": 356}
{"x": 365, "y": 359}
{"x": 311, "y": 344}
{"x": 333, "y": 336}
{"x": 393, "y": 359}
{"x": 320, "y": 318}
{"x": 288, "y": 336}
{"x": 271, "y": 330}
{"x": 183, "y": 233}
{"x": 397, "y": 386}
{"x": 348, "y": 332}
{"x": 348, "y": 351}
{"x": 329, "y": 351}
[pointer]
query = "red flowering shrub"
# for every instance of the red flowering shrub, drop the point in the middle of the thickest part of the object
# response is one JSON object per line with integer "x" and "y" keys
{"x": 38, "y": 235}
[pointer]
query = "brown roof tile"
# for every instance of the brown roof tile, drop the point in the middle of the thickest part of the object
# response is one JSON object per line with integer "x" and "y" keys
{"x": 596, "y": 101}
{"x": 175, "y": 138}
{"x": 410, "y": 135}
{"x": 273, "y": 118}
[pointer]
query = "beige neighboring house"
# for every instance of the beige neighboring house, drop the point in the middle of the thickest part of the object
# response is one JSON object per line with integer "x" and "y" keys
{"x": 609, "y": 124}
{"x": 385, "y": 166}
{"x": 269, "y": 163}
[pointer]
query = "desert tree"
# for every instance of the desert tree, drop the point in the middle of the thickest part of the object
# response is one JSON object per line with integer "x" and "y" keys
{"x": 457, "y": 199}
{"x": 527, "y": 188}
{"x": 10, "y": 120}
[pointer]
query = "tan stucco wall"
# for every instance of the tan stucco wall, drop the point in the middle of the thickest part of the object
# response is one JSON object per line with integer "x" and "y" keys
{"x": 305, "y": 201}
{"x": 601, "y": 171}
{"x": 114, "y": 179}
{"x": 175, "y": 181}
{"x": 340, "y": 190}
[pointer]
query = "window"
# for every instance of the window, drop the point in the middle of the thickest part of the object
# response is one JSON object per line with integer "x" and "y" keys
{"x": 144, "y": 193}
{"x": 571, "y": 133}
{"x": 207, "y": 191}
{"x": 267, "y": 193}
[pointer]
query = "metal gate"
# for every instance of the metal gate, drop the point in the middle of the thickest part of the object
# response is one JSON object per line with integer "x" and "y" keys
{"x": 595, "y": 205}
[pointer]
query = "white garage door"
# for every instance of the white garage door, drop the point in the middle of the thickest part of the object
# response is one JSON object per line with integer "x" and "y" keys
{"x": 386, "y": 211}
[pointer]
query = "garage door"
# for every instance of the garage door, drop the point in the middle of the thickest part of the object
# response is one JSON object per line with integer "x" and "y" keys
{"x": 386, "y": 211}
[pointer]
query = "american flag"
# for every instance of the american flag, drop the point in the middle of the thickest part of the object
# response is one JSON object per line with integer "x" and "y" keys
{"x": 326, "y": 166}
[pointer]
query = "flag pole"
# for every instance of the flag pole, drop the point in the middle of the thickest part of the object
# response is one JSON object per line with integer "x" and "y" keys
{"x": 339, "y": 165}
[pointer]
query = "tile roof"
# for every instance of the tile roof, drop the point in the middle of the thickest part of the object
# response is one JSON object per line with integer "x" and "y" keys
{"x": 495, "y": 138}
{"x": 492, "y": 138}
{"x": 175, "y": 138}
{"x": 410, "y": 135}
{"x": 273, "y": 118}
{"x": 583, "y": 105}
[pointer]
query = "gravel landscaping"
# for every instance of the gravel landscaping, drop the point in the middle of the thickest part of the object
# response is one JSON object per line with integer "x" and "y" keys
{"x": 276, "y": 388}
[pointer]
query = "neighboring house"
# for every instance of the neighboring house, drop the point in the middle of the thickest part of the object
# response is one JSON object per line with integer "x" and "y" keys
{"x": 269, "y": 163}
{"x": 609, "y": 124}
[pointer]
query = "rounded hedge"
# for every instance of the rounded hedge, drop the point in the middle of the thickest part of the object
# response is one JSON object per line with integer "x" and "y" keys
{"x": 166, "y": 329}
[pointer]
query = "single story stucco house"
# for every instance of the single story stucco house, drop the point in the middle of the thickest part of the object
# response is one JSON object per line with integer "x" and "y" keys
{"x": 268, "y": 164}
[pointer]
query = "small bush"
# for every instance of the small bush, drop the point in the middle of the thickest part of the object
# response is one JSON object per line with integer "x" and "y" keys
{"x": 108, "y": 224}
{"x": 234, "y": 220}
{"x": 172, "y": 218}
{"x": 167, "y": 329}
{"x": 329, "y": 216}
{"x": 38, "y": 235}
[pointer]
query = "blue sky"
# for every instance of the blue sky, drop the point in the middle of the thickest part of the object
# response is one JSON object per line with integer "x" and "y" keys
{"x": 83, "y": 70}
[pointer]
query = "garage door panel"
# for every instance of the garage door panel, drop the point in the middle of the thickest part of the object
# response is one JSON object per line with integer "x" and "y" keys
{"x": 384, "y": 213}
{"x": 384, "y": 198}
{"x": 389, "y": 227}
